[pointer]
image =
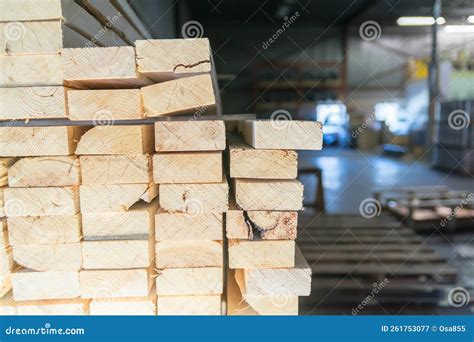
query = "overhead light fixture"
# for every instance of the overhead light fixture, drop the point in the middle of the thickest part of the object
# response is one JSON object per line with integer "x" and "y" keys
{"x": 470, "y": 19}
{"x": 419, "y": 21}
{"x": 459, "y": 29}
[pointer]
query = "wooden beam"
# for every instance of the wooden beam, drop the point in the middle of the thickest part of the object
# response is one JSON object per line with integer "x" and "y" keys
{"x": 209, "y": 305}
{"x": 180, "y": 96}
{"x": 261, "y": 254}
{"x": 183, "y": 226}
{"x": 6, "y": 259}
{"x": 31, "y": 70}
{"x": 43, "y": 258}
{"x": 117, "y": 140}
{"x": 30, "y": 230}
{"x": 167, "y": 59}
{"x": 31, "y": 37}
{"x": 38, "y": 141}
{"x": 192, "y": 135}
{"x": 189, "y": 253}
{"x": 32, "y": 103}
{"x": 265, "y": 225}
{"x": 187, "y": 167}
{"x": 5, "y": 164}
{"x": 194, "y": 198}
{"x": 45, "y": 171}
{"x": 121, "y": 254}
{"x": 138, "y": 222}
{"x": 190, "y": 281}
{"x": 132, "y": 306}
{"x": 41, "y": 201}
{"x": 259, "y": 194}
{"x": 114, "y": 197}
{"x": 115, "y": 283}
{"x": 248, "y": 162}
{"x": 104, "y": 105}
{"x": 31, "y": 285}
{"x": 292, "y": 135}
{"x": 28, "y": 10}
{"x": 293, "y": 281}
{"x": 116, "y": 169}
{"x": 101, "y": 67}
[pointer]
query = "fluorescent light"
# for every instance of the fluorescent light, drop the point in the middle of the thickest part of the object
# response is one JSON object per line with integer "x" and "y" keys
{"x": 459, "y": 29}
{"x": 470, "y": 19}
{"x": 419, "y": 21}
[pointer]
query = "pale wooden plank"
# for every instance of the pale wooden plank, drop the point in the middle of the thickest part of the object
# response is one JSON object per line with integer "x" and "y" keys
{"x": 183, "y": 226}
{"x": 104, "y": 105}
{"x": 166, "y": 59}
{"x": 101, "y": 67}
{"x": 114, "y": 197}
{"x": 189, "y": 253}
{"x": 194, "y": 198}
{"x": 31, "y": 37}
{"x": 116, "y": 169}
{"x": 179, "y": 96}
{"x": 114, "y": 283}
{"x": 31, "y": 70}
{"x": 188, "y": 167}
{"x": 259, "y": 194}
{"x": 38, "y": 141}
{"x": 15, "y": 10}
{"x": 290, "y": 134}
{"x": 32, "y": 103}
{"x": 192, "y": 135}
{"x": 53, "y": 257}
{"x": 121, "y": 254}
{"x": 129, "y": 14}
{"x": 248, "y": 162}
{"x": 47, "y": 230}
{"x": 30, "y": 285}
{"x": 265, "y": 225}
{"x": 292, "y": 281}
{"x": 190, "y": 281}
{"x": 116, "y": 140}
{"x": 45, "y": 171}
{"x": 41, "y": 201}
{"x": 261, "y": 254}
{"x": 209, "y": 305}
{"x": 137, "y": 222}
{"x": 6, "y": 259}
{"x": 248, "y": 305}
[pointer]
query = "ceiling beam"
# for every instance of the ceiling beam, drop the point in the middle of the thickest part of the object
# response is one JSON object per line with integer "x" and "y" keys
{"x": 358, "y": 12}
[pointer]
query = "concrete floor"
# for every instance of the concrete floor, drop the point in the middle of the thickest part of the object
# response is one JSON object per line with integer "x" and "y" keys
{"x": 350, "y": 176}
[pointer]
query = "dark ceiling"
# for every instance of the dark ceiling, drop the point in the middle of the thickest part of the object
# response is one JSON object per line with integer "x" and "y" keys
{"x": 319, "y": 12}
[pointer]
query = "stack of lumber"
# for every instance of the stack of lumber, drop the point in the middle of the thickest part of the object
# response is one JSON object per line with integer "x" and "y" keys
{"x": 267, "y": 271}
{"x": 189, "y": 224}
{"x": 78, "y": 195}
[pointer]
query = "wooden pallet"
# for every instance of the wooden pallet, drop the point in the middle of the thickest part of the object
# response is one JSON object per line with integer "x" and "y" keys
{"x": 351, "y": 255}
{"x": 428, "y": 208}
